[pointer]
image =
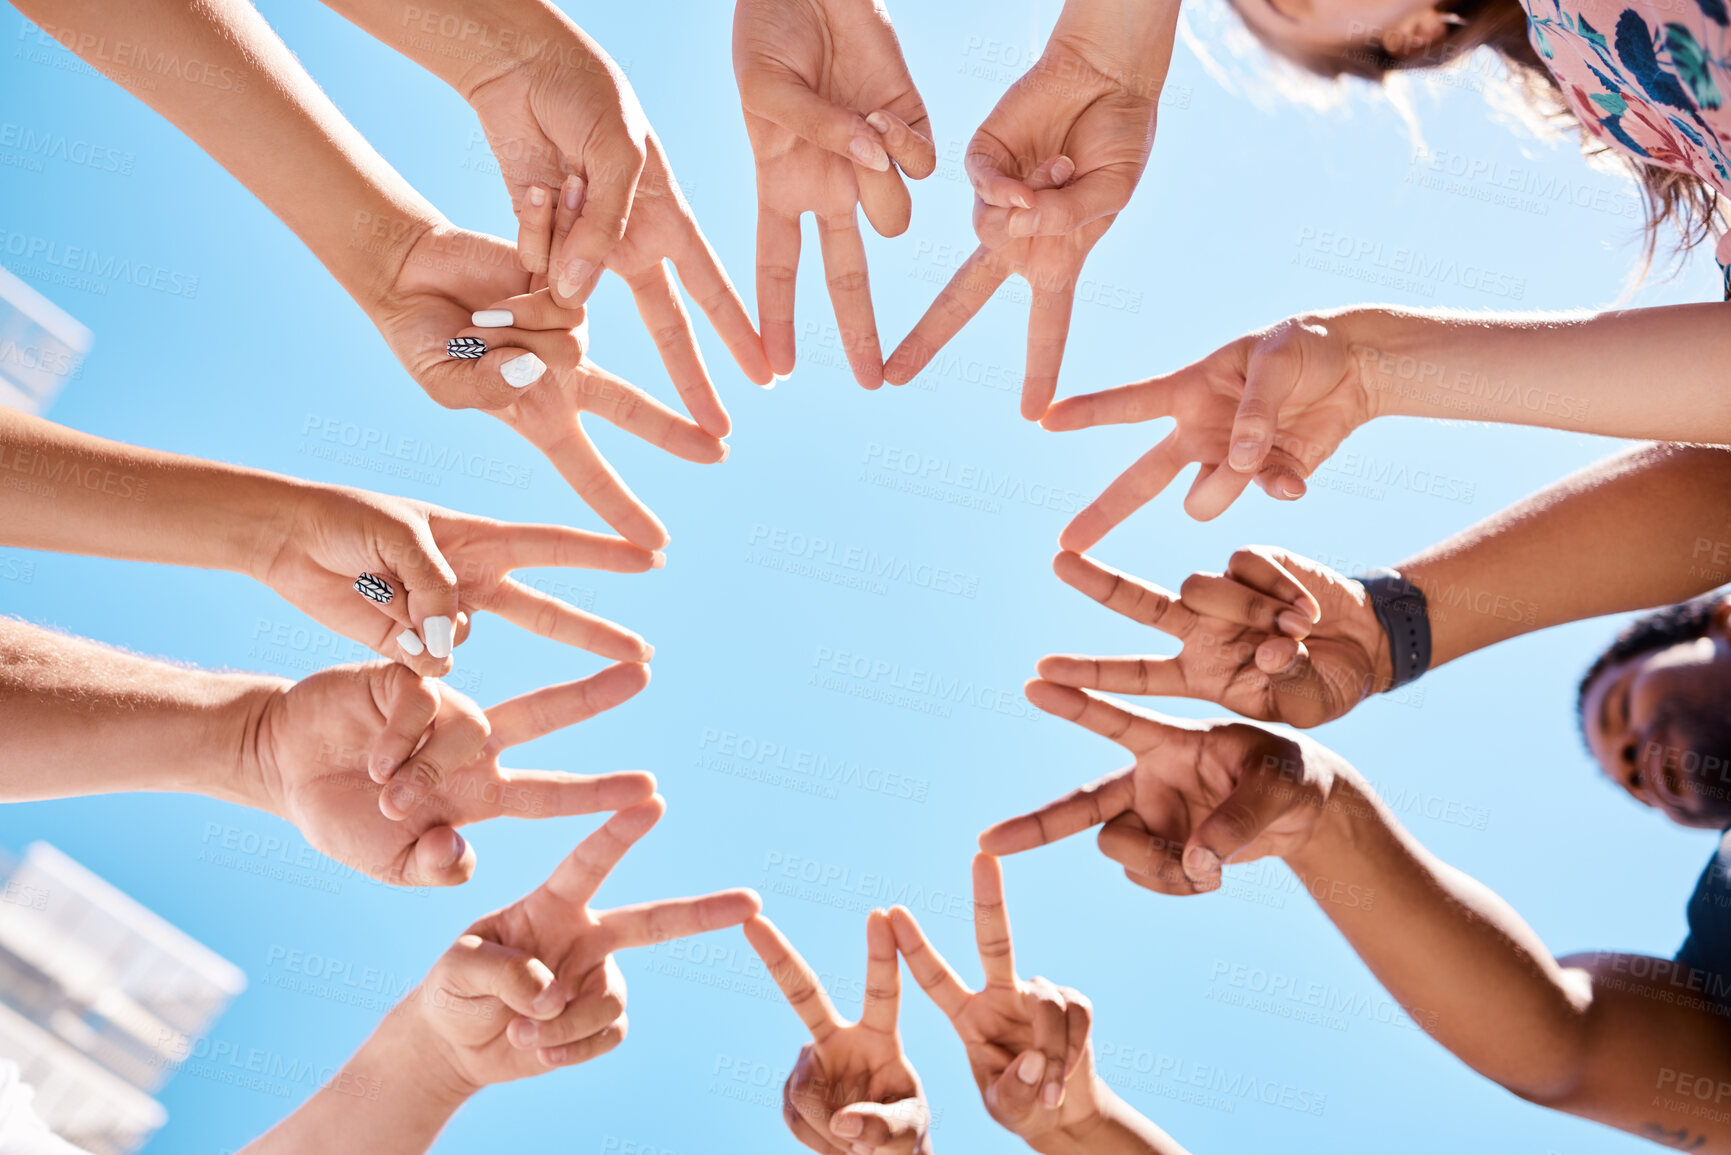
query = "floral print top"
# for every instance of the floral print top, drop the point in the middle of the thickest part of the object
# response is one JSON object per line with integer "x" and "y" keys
{"x": 1649, "y": 80}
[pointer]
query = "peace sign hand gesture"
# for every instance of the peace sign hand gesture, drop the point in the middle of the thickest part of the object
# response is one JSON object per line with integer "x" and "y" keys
{"x": 534, "y": 986}
{"x": 1027, "y": 1040}
{"x": 378, "y": 766}
{"x": 852, "y": 1090}
{"x": 1199, "y": 794}
{"x": 1277, "y": 637}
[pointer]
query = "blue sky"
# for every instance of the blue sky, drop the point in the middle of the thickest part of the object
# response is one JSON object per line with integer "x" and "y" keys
{"x": 1233, "y": 227}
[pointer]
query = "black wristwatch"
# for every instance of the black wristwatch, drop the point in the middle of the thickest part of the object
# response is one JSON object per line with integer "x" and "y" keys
{"x": 1401, "y": 608}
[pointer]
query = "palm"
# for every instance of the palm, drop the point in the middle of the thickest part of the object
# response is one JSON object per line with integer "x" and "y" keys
{"x": 328, "y": 747}
{"x": 1303, "y": 376}
{"x": 852, "y": 1070}
{"x": 808, "y": 72}
{"x": 1009, "y": 1021}
{"x": 1035, "y": 220}
{"x": 1198, "y": 795}
{"x": 446, "y": 276}
{"x": 1234, "y": 651}
{"x": 555, "y": 933}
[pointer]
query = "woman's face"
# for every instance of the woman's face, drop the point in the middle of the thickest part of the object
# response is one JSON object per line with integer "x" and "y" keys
{"x": 1330, "y": 26}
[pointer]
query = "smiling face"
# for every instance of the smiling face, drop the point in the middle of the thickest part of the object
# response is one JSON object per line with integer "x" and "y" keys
{"x": 1659, "y": 724}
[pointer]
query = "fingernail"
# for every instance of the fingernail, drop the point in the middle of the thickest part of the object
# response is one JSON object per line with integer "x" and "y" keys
{"x": 847, "y": 1126}
{"x": 401, "y": 796}
{"x": 1293, "y": 624}
{"x": 573, "y": 195}
{"x": 725, "y": 450}
{"x": 466, "y": 348}
{"x": 658, "y": 560}
{"x": 537, "y": 195}
{"x": 1200, "y": 863}
{"x": 861, "y": 1147}
{"x": 523, "y": 371}
{"x": 869, "y": 153}
{"x": 879, "y": 121}
{"x": 1053, "y": 1092}
{"x": 1024, "y": 224}
{"x": 410, "y": 644}
{"x": 441, "y": 635}
{"x": 548, "y": 1001}
{"x": 1290, "y": 488}
{"x": 576, "y": 272}
{"x": 492, "y": 319}
{"x": 1244, "y": 453}
{"x": 648, "y": 652}
{"x": 524, "y": 1031}
{"x": 457, "y": 848}
{"x": 1032, "y": 1066}
{"x": 374, "y": 588}
{"x": 1063, "y": 169}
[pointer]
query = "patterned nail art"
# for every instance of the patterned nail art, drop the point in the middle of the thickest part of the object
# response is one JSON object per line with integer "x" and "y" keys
{"x": 374, "y": 588}
{"x": 466, "y": 348}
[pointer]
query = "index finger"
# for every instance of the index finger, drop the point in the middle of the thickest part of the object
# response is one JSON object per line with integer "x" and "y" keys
{"x": 517, "y": 546}
{"x": 539, "y": 712}
{"x": 934, "y": 974}
{"x": 883, "y": 980}
{"x": 795, "y": 978}
{"x": 1048, "y": 332}
{"x": 966, "y": 293}
{"x": 1120, "y": 405}
{"x": 575, "y": 880}
{"x": 992, "y": 923}
{"x": 1086, "y": 806}
{"x": 647, "y": 923}
{"x": 1124, "y": 593}
{"x": 568, "y": 447}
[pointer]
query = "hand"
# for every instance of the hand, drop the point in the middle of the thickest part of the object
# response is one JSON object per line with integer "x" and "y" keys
{"x": 592, "y": 188}
{"x": 832, "y": 113}
{"x": 1277, "y": 637}
{"x": 443, "y": 568}
{"x": 852, "y": 1091}
{"x": 1271, "y": 407}
{"x": 534, "y": 986}
{"x": 377, "y": 766}
{"x": 448, "y": 275}
{"x": 1051, "y": 167}
{"x": 1199, "y": 794}
{"x": 1027, "y": 1042}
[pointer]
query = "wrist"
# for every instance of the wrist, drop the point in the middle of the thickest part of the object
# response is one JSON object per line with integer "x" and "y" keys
{"x": 1127, "y": 41}
{"x": 491, "y": 39}
{"x": 405, "y": 1041}
{"x": 1350, "y": 803}
{"x": 1397, "y": 361}
{"x": 237, "y": 773}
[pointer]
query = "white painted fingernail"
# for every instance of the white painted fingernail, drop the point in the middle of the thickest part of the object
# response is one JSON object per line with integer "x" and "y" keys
{"x": 411, "y": 644}
{"x": 522, "y": 372}
{"x": 658, "y": 560}
{"x": 492, "y": 319}
{"x": 441, "y": 636}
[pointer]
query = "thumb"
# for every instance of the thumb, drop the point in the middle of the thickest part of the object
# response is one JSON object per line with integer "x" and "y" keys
{"x": 1014, "y": 1096}
{"x": 779, "y": 96}
{"x": 1259, "y": 798}
{"x": 1083, "y": 198}
{"x": 897, "y": 1125}
{"x": 440, "y": 857}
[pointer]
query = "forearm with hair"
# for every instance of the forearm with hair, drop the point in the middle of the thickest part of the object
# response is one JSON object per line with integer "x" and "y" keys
{"x": 78, "y": 718}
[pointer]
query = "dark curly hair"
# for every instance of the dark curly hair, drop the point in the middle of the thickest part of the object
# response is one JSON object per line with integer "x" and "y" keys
{"x": 1648, "y": 634}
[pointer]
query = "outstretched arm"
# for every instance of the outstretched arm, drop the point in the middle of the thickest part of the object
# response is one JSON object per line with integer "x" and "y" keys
{"x": 80, "y": 718}
{"x": 1282, "y": 637}
{"x": 1579, "y": 1035}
